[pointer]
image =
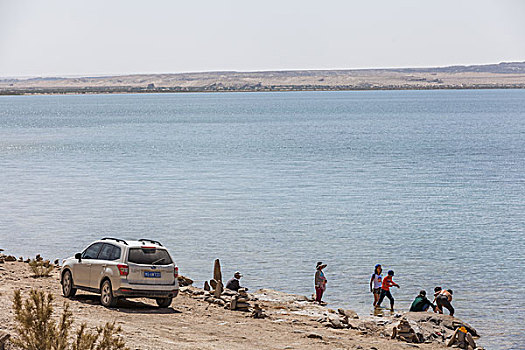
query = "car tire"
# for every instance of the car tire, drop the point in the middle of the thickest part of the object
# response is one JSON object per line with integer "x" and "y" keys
{"x": 106, "y": 295}
{"x": 67, "y": 285}
{"x": 164, "y": 302}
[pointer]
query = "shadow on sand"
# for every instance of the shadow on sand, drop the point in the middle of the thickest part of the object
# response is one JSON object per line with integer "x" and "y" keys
{"x": 126, "y": 306}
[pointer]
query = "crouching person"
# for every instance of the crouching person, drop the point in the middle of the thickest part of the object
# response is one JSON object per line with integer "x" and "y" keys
{"x": 421, "y": 303}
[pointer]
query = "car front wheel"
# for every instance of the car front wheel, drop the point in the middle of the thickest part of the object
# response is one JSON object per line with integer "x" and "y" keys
{"x": 164, "y": 302}
{"x": 106, "y": 295}
{"x": 67, "y": 285}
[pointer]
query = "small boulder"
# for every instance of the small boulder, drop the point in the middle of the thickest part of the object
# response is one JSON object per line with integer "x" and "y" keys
{"x": 314, "y": 336}
{"x": 348, "y": 313}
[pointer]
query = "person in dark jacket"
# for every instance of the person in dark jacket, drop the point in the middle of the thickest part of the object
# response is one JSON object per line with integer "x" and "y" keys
{"x": 421, "y": 303}
{"x": 234, "y": 283}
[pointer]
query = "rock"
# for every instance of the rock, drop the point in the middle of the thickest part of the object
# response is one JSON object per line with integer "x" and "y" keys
{"x": 219, "y": 302}
{"x": 242, "y": 305}
{"x": 10, "y": 258}
{"x": 21, "y": 259}
{"x": 314, "y": 336}
{"x": 38, "y": 258}
{"x": 428, "y": 321}
{"x": 217, "y": 274}
{"x": 56, "y": 262}
{"x": 213, "y": 284}
{"x": 335, "y": 322}
{"x": 218, "y": 289}
{"x": 257, "y": 312}
{"x": 206, "y": 286}
{"x": 192, "y": 290}
{"x": 229, "y": 292}
{"x": 233, "y": 304}
{"x": 348, "y": 313}
{"x": 184, "y": 281}
{"x": 4, "y": 336}
{"x": 242, "y": 300}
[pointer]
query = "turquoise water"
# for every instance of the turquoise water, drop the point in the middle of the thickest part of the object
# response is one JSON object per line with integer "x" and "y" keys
{"x": 428, "y": 183}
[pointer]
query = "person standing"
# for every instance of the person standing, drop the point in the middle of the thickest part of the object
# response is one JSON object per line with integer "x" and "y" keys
{"x": 385, "y": 290}
{"x": 320, "y": 282}
{"x": 376, "y": 280}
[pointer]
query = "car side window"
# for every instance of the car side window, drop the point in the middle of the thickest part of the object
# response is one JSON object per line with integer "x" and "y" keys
{"x": 106, "y": 253}
{"x": 116, "y": 253}
{"x": 92, "y": 251}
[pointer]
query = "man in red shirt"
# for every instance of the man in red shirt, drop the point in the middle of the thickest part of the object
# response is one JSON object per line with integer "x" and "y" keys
{"x": 385, "y": 290}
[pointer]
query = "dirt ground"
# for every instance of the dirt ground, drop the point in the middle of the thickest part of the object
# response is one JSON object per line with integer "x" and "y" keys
{"x": 192, "y": 323}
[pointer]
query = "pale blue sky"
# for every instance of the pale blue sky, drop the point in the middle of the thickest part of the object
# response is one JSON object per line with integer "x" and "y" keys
{"x": 74, "y": 37}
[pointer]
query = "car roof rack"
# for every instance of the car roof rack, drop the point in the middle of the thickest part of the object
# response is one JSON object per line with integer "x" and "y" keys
{"x": 114, "y": 239}
{"x": 150, "y": 240}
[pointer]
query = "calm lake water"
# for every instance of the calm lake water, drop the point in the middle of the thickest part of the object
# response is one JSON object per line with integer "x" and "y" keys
{"x": 428, "y": 183}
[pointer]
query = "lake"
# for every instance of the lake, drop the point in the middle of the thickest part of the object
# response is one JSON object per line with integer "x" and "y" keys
{"x": 430, "y": 184}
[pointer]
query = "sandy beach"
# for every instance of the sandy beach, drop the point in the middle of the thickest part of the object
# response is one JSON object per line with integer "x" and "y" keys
{"x": 194, "y": 323}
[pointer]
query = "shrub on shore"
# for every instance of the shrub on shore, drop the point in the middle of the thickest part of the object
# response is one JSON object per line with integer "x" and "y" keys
{"x": 41, "y": 268}
{"x": 36, "y": 329}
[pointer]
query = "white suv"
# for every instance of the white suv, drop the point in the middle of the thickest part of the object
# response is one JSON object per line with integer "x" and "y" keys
{"x": 115, "y": 268}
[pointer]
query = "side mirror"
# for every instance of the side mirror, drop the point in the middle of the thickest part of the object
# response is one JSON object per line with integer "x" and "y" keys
{"x": 78, "y": 256}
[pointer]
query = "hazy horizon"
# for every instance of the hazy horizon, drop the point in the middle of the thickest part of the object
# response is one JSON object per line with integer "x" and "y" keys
{"x": 70, "y": 39}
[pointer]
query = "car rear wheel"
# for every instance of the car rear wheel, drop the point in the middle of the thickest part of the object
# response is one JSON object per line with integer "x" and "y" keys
{"x": 106, "y": 295}
{"x": 164, "y": 302}
{"x": 67, "y": 285}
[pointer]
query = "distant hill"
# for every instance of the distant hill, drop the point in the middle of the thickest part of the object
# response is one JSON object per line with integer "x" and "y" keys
{"x": 489, "y": 76}
{"x": 500, "y": 68}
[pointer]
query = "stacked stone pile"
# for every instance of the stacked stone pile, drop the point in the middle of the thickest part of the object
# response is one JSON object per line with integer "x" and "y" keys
{"x": 342, "y": 319}
{"x": 258, "y": 312}
{"x": 408, "y": 330}
{"x": 240, "y": 301}
{"x": 215, "y": 293}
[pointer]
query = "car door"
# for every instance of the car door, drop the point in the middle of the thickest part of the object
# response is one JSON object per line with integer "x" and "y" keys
{"x": 107, "y": 256}
{"x": 82, "y": 269}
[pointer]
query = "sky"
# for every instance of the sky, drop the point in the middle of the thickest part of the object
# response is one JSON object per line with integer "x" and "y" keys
{"x": 109, "y": 37}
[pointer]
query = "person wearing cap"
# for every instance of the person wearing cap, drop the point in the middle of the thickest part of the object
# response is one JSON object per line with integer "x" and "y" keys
{"x": 385, "y": 290}
{"x": 320, "y": 282}
{"x": 421, "y": 303}
{"x": 234, "y": 283}
{"x": 376, "y": 279}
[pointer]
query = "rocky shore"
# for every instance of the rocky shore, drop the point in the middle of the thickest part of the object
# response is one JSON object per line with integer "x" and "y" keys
{"x": 219, "y": 319}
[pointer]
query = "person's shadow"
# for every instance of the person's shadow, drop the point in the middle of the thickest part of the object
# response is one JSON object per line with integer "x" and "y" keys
{"x": 126, "y": 306}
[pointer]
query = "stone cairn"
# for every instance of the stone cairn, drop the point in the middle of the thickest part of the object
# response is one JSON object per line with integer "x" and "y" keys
{"x": 407, "y": 331}
{"x": 215, "y": 293}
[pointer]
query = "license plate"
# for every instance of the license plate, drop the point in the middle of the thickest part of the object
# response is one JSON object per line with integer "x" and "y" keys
{"x": 151, "y": 274}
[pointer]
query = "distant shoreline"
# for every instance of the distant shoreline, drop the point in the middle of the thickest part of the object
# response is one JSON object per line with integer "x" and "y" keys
{"x": 509, "y": 75}
{"x": 135, "y": 90}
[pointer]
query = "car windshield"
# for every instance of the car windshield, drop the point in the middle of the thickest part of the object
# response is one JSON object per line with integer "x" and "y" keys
{"x": 149, "y": 256}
